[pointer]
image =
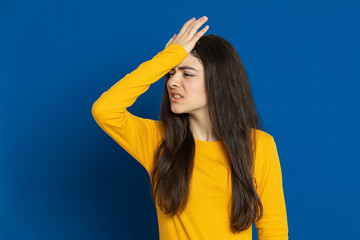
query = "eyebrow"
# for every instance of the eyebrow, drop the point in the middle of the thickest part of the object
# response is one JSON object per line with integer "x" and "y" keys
{"x": 186, "y": 67}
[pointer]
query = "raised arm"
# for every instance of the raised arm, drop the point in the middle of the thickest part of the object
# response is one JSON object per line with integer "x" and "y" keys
{"x": 134, "y": 134}
{"x": 138, "y": 136}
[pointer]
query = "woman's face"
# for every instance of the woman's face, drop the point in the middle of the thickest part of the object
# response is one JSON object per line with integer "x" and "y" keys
{"x": 187, "y": 79}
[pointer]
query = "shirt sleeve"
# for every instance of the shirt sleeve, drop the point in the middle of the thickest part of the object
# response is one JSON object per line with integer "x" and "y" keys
{"x": 138, "y": 136}
{"x": 273, "y": 224}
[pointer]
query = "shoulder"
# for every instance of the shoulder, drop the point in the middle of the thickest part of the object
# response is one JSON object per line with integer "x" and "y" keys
{"x": 158, "y": 125}
{"x": 264, "y": 146}
{"x": 261, "y": 154}
{"x": 150, "y": 130}
{"x": 262, "y": 138}
{"x": 158, "y": 129}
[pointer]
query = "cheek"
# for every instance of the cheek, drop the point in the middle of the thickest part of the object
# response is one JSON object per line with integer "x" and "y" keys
{"x": 196, "y": 87}
{"x": 199, "y": 92}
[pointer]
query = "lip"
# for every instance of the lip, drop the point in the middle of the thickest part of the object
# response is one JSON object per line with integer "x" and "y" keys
{"x": 172, "y": 92}
{"x": 175, "y": 93}
{"x": 175, "y": 99}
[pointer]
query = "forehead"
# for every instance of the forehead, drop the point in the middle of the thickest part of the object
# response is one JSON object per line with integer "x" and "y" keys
{"x": 191, "y": 61}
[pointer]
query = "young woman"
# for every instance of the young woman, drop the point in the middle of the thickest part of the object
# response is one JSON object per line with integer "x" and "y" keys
{"x": 212, "y": 171}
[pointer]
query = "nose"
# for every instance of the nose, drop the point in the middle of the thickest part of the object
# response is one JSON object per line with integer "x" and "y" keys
{"x": 174, "y": 80}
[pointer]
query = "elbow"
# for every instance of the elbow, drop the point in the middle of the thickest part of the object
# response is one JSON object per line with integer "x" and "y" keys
{"x": 96, "y": 112}
{"x": 93, "y": 109}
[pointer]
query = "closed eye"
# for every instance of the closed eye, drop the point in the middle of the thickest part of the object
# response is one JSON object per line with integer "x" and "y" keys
{"x": 186, "y": 74}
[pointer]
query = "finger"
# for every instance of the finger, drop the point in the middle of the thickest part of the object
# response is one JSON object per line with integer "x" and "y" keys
{"x": 200, "y": 33}
{"x": 170, "y": 41}
{"x": 196, "y": 25}
{"x": 185, "y": 27}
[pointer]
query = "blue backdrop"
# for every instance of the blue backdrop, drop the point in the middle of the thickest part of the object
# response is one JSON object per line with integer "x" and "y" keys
{"x": 62, "y": 177}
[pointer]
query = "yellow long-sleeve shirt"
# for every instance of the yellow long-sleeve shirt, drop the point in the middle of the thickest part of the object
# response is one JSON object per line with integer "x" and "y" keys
{"x": 206, "y": 215}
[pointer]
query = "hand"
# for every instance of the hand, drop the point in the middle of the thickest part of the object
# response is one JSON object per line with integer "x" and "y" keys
{"x": 187, "y": 36}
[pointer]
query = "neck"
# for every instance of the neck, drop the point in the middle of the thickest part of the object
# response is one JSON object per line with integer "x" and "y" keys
{"x": 201, "y": 127}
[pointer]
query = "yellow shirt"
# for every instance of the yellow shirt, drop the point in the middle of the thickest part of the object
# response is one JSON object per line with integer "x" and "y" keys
{"x": 206, "y": 214}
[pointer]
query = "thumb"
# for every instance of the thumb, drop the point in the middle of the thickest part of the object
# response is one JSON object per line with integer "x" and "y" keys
{"x": 170, "y": 41}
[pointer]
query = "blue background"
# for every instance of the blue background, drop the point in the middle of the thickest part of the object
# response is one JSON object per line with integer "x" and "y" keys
{"x": 62, "y": 177}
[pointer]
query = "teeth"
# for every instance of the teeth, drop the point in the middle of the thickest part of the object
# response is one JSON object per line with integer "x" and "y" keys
{"x": 177, "y": 96}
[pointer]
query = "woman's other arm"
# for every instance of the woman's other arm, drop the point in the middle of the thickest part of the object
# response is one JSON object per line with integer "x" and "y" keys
{"x": 273, "y": 224}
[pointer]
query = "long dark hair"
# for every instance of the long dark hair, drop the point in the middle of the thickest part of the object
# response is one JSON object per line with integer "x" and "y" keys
{"x": 234, "y": 120}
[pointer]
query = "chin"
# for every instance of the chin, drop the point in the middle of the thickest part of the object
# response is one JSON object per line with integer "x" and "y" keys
{"x": 177, "y": 111}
